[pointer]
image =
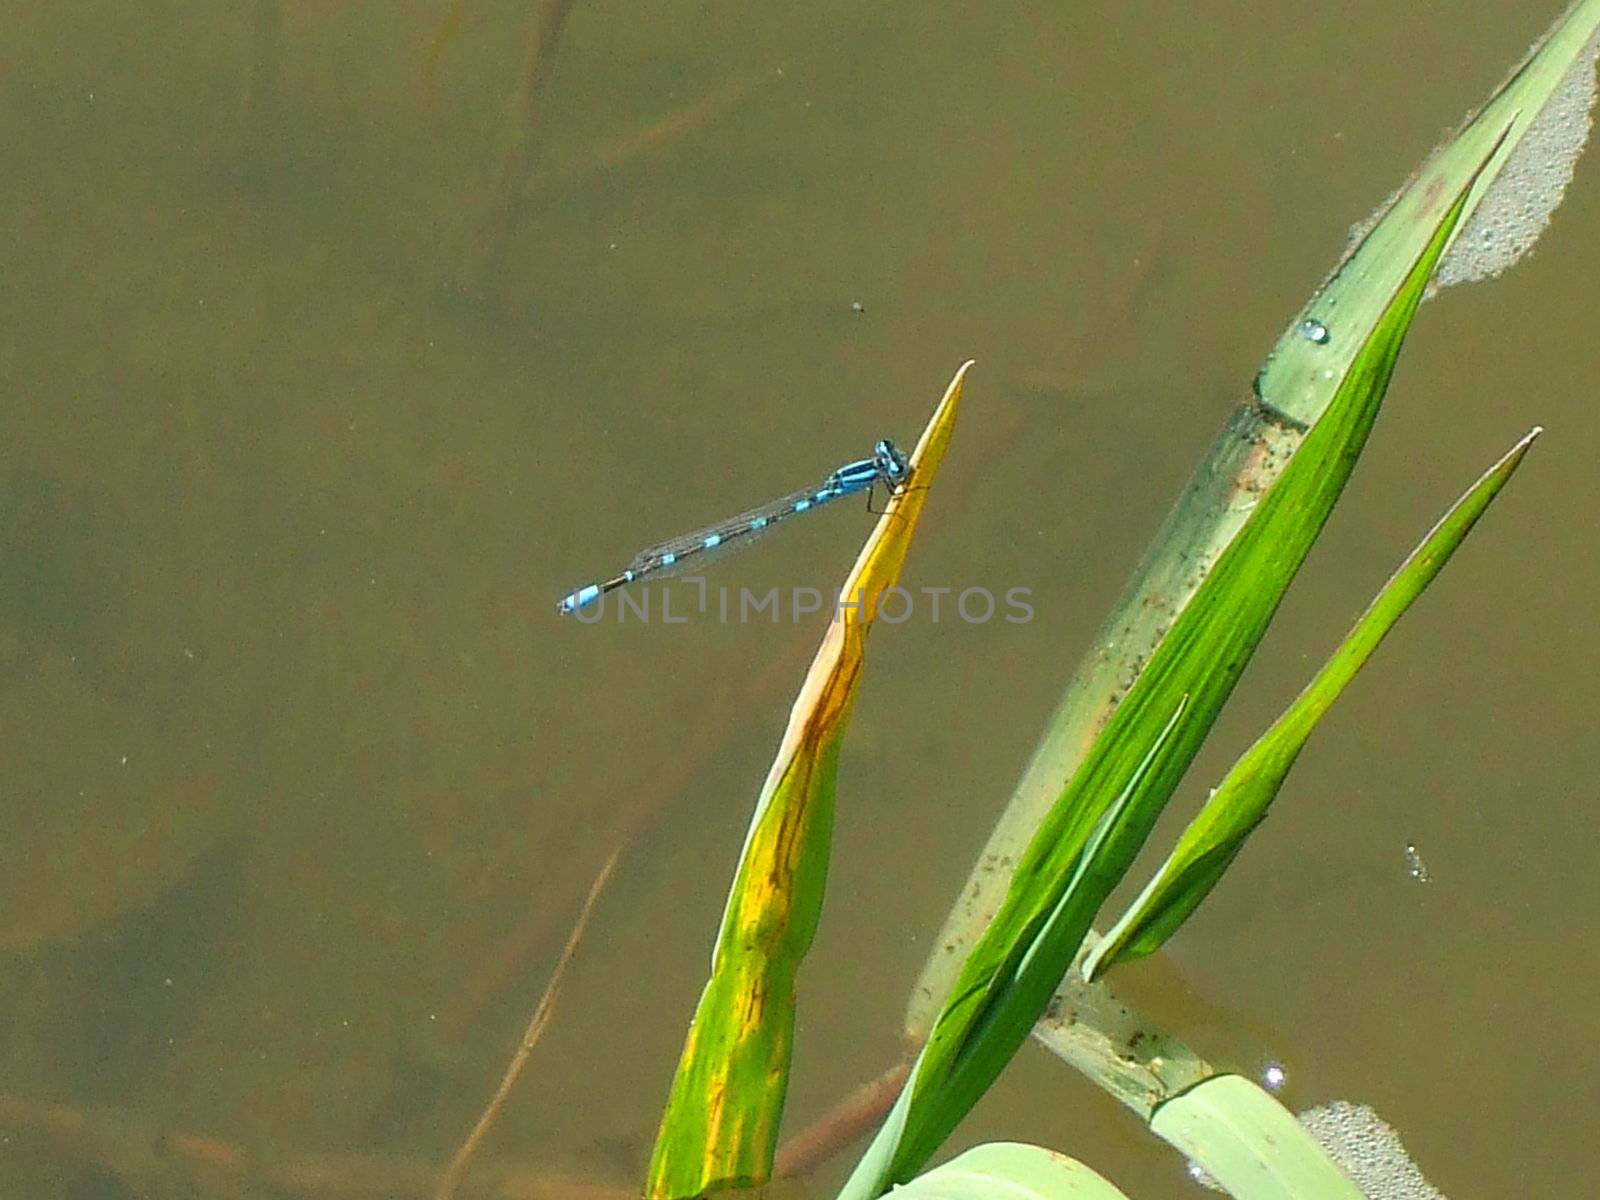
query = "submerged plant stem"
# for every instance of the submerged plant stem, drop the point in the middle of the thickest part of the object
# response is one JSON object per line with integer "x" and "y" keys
{"x": 527, "y": 127}
{"x": 847, "y": 1120}
{"x": 451, "y": 1179}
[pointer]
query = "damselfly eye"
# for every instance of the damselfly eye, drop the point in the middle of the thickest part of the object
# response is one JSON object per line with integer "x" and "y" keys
{"x": 891, "y": 463}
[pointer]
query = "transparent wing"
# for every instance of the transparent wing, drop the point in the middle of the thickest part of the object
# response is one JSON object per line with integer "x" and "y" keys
{"x": 693, "y": 550}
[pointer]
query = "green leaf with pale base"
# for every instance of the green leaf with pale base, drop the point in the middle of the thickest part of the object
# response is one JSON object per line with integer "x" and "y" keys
{"x": 1539, "y": 110}
{"x": 1135, "y": 764}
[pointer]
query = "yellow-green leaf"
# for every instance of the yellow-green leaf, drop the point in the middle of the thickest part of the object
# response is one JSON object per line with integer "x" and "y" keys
{"x": 721, "y": 1121}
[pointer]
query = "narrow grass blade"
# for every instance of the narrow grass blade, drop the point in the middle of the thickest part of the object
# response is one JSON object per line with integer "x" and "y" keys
{"x": 1043, "y": 954}
{"x": 1240, "y": 803}
{"x": 1010, "y": 1171}
{"x": 720, "y": 1125}
{"x": 994, "y": 1002}
{"x": 1540, "y": 110}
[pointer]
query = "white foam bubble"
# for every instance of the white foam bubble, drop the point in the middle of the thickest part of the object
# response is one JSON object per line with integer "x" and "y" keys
{"x": 1369, "y": 1150}
{"x": 1529, "y": 186}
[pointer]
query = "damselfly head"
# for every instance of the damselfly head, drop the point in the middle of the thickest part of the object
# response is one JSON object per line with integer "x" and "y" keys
{"x": 892, "y": 464}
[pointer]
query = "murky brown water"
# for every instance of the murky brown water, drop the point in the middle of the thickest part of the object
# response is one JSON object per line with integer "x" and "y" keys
{"x": 302, "y": 778}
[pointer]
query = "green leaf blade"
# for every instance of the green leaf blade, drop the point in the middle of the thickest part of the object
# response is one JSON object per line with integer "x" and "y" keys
{"x": 1295, "y": 378}
{"x": 1250, "y": 1144}
{"x": 1010, "y": 1171}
